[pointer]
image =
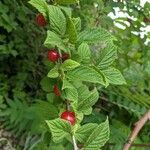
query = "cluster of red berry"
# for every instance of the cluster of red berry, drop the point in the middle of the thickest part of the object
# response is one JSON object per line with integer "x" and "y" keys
{"x": 54, "y": 56}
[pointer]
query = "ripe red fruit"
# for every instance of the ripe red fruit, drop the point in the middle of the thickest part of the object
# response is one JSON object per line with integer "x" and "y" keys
{"x": 53, "y": 55}
{"x": 73, "y": 113}
{"x": 65, "y": 56}
{"x": 56, "y": 90}
{"x": 69, "y": 116}
{"x": 40, "y": 20}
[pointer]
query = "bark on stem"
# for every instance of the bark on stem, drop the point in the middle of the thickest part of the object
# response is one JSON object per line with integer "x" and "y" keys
{"x": 137, "y": 128}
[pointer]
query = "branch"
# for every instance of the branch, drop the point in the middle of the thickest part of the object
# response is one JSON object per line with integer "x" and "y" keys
{"x": 137, "y": 128}
{"x": 74, "y": 143}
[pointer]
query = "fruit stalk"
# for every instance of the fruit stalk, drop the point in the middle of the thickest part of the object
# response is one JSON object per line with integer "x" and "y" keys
{"x": 60, "y": 55}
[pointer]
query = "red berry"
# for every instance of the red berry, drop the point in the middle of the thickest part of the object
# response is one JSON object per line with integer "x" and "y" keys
{"x": 73, "y": 113}
{"x": 56, "y": 90}
{"x": 53, "y": 55}
{"x": 69, "y": 116}
{"x": 40, "y": 20}
{"x": 65, "y": 56}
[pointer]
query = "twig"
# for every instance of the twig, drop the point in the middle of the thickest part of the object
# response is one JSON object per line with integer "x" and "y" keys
{"x": 137, "y": 128}
{"x": 60, "y": 54}
{"x": 74, "y": 143}
{"x": 68, "y": 105}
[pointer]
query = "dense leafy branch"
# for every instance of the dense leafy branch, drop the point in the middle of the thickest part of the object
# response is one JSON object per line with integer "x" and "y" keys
{"x": 76, "y": 70}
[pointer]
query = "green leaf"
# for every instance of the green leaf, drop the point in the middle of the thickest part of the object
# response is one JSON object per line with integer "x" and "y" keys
{"x": 50, "y": 97}
{"x": 85, "y": 73}
{"x": 67, "y": 84}
{"x": 107, "y": 56}
{"x": 56, "y": 147}
{"x": 114, "y": 76}
{"x": 88, "y": 111}
{"x": 53, "y": 40}
{"x": 66, "y": 10}
{"x": 84, "y": 132}
{"x": 98, "y": 137}
{"x": 84, "y": 52}
{"x": 53, "y": 73}
{"x": 103, "y": 75}
{"x": 40, "y": 5}
{"x": 83, "y": 91}
{"x": 45, "y": 110}
{"x": 1, "y": 99}
{"x": 69, "y": 65}
{"x": 77, "y": 22}
{"x": 47, "y": 84}
{"x": 94, "y": 35}
{"x": 59, "y": 129}
{"x": 88, "y": 101}
{"x": 71, "y": 30}
{"x": 57, "y": 19}
{"x": 146, "y": 5}
{"x": 65, "y": 2}
{"x": 70, "y": 92}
